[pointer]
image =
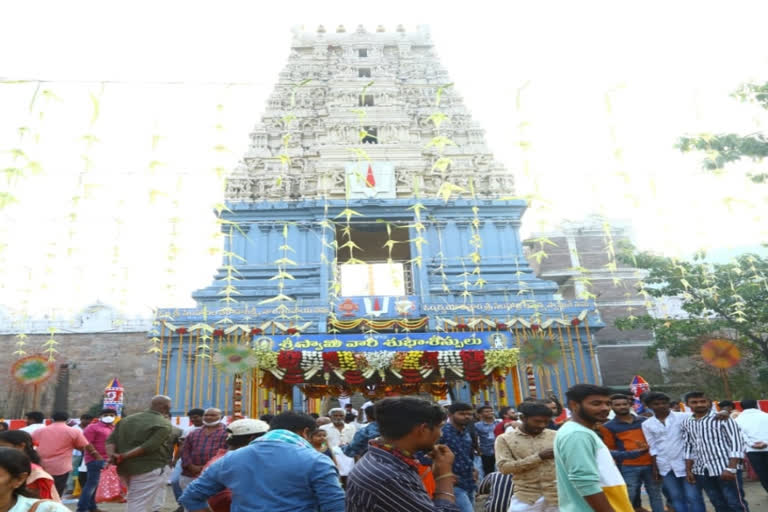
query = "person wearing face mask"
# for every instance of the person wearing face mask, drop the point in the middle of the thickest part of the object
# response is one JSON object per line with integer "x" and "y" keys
{"x": 97, "y": 434}
{"x": 137, "y": 446}
{"x": 201, "y": 446}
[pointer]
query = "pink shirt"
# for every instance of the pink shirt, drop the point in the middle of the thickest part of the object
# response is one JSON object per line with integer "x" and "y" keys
{"x": 55, "y": 444}
{"x": 97, "y": 433}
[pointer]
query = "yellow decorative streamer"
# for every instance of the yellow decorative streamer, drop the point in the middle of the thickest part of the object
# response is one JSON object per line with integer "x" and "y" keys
{"x": 591, "y": 349}
{"x": 581, "y": 350}
{"x": 195, "y": 390}
{"x": 573, "y": 354}
{"x": 177, "y": 398}
{"x": 564, "y": 355}
{"x": 166, "y": 390}
{"x": 160, "y": 359}
{"x": 188, "y": 384}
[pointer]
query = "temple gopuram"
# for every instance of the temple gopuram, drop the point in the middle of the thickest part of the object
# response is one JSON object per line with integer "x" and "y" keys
{"x": 372, "y": 246}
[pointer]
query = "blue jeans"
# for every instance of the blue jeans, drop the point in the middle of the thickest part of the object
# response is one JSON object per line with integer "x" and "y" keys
{"x": 175, "y": 476}
{"x": 725, "y": 495}
{"x": 685, "y": 497}
{"x": 464, "y": 500}
{"x": 87, "y": 501}
{"x": 635, "y": 477}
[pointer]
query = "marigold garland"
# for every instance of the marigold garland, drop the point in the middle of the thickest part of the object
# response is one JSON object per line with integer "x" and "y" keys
{"x": 266, "y": 359}
{"x": 367, "y": 372}
{"x": 412, "y": 360}
{"x": 504, "y": 358}
{"x": 347, "y": 360}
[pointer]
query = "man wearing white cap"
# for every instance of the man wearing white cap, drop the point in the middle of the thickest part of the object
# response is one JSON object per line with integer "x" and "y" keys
{"x": 242, "y": 432}
{"x": 339, "y": 433}
{"x": 239, "y": 433}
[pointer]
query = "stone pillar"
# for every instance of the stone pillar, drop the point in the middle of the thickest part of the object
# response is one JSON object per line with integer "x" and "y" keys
{"x": 302, "y": 251}
{"x": 263, "y": 243}
{"x": 502, "y": 235}
{"x": 462, "y": 227}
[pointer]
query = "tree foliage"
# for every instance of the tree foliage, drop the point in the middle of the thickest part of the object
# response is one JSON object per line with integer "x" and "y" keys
{"x": 727, "y": 299}
{"x": 724, "y": 148}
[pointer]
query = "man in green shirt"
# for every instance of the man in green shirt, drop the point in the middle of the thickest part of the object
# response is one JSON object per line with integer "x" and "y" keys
{"x": 587, "y": 476}
{"x": 137, "y": 446}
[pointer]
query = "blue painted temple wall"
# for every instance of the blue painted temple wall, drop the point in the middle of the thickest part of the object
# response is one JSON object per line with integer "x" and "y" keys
{"x": 511, "y": 290}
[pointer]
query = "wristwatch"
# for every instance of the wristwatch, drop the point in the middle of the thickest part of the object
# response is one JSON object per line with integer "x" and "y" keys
{"x": 732, "y": 470}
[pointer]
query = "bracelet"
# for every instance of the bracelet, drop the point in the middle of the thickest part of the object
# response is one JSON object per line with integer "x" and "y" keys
{"x": 447, "y": 475}
{"x": 446, "y": 493}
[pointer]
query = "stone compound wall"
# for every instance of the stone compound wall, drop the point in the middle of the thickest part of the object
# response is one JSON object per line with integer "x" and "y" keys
{"x": 94, "y": 346}
{"x": 91, "y": 360}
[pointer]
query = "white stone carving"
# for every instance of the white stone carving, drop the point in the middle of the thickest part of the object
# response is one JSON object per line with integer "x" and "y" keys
{"x": 325, "y": 119}
{"x": 95, "y": 318}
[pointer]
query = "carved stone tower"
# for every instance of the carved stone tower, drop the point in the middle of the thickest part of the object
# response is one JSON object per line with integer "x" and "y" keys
{"x": 368, "y": 202}
{"x": 337, "y": 86}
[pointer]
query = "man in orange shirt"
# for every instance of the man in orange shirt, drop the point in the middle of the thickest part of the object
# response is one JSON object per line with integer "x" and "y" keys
{"x": 55, "y": 444}
{"x": 624, "y": 436}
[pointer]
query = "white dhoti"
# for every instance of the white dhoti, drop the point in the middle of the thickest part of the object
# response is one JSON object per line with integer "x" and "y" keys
{"x": 541, "y": 505}
{"x": 345, "y": 463}
{"x": 144, "y": 488}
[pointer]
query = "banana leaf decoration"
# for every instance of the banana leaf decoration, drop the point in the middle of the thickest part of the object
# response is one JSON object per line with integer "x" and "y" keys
{"x": 234, "y": 359}
{"x": 540, "y": 351}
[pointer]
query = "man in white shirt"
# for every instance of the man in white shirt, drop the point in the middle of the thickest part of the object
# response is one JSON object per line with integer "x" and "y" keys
{"x": 754, "y": 425}
{"x": 362, "y": 418}
{"x": 34, "y": 421}
{"x": 340, "y": 434}
{"x": 666, "y": 447}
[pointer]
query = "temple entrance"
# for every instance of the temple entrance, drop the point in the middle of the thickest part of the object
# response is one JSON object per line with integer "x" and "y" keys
{"x": 385, "y": 253}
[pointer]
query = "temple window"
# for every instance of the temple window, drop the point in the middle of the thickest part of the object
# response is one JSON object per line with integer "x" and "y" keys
{"x": 362, "y": 52}
{"x": 366, "y": 100}
{"x": 371, "y": 136}
{"x": 364, "y": 72}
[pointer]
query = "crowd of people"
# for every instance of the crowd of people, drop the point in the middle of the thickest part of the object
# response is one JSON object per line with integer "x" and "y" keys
{"x": 402, "y": 454}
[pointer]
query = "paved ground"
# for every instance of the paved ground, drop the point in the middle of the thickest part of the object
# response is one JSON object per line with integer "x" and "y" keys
{"x": 757, "y": 499}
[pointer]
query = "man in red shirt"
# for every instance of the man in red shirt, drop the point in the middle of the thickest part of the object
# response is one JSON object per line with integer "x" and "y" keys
{"x": 508, "y": 415}
{"x": 97, "y": 434}
{"x": 202, "y": 445}
{"x": 624, "y": 437}
{"x": 55, "y": 444}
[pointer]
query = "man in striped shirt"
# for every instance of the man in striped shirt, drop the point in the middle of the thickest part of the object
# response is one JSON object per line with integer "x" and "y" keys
{"x": 499, "y": 488}
{"x": 201, "y": 446}
{"x": 386, "y": 478}
{"x": 713, "y": 452}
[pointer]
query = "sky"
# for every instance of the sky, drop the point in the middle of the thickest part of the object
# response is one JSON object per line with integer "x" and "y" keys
{"x": 137, "y": 96}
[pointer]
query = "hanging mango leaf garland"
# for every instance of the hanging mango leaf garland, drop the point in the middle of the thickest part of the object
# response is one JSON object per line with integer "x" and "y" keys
{"x": 540, "y": 351}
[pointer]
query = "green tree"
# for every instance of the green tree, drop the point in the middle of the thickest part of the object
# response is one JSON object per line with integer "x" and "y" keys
{"x": 724, "y": 148}
{"x": 729, "y": 299}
